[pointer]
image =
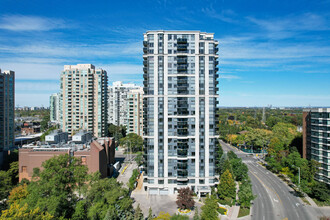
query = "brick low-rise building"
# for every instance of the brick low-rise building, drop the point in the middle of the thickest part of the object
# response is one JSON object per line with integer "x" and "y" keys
{"x": 97, "y": 155}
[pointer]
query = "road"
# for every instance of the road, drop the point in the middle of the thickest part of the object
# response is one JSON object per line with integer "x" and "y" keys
{"x": 275, "y": 200}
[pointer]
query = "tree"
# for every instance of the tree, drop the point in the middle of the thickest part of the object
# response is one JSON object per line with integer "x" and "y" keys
{"x": 132, "y": 142}
{"x": 240, "y": 170}
{"x": 220, "y": 157}
{"x": 185, "y": 198}
{"x": 245, "y": 194}
{"x": 227, "y": 187}
{"x": 107, "y": 196}
{"x": 209, "y": 209}
{"x": 139, "y": 158}
{"x": 19, "y": 212}
{"x": 150, "y": 214}
{"x": 45, "y": 122}
{"x": 138, "y": 215}
{"x": 13, "y": 172}
{"x": 18, "y": 194}
{"x": 80, "y": 212}
{"x": 321, "y": 191}
{"x": 196, "y": 215}
{"x": 53, "y": 188}
{"x": 231, "y": 155}
{"x": 285, "y": 132}
{"x": 226, "y": 166}
{"x": 5, "y": 184}
{"x": 117, "y": 132}
{"x": 132, "y": 180}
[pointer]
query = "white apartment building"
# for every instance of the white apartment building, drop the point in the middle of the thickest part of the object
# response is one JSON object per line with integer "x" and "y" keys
{"x": 118, "y": 105}
{"x": 83, "y": 99}
{"x": 135, "y": 111}
{"x": 180, "y": 98}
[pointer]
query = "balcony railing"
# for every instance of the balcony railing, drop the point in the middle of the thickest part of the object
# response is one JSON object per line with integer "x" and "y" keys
{"x": 182, "y": 40}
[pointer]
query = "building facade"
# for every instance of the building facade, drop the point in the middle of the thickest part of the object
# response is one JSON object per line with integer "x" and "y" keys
{"x": 118, "y": 106}
{"x": 316, "y": 140}
{"x": 97, "y": 155}
{"x": 54, "y": 108}
{"x": 135, "y": 111}
{"x": 83, "y": 99}
{"x": 7, "y": 112}
{"x": 180, "y": 98}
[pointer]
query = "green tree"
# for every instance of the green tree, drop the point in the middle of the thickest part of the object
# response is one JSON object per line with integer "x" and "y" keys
{"x": 52, "y": 189}
{"x": 227, "y": 187}
{"x": 107, "y": 196}
{"x": 80, "y": 212}
{"x": 132, "y": 142}
{"x": 245, "y": 194}
{"x": 117, "y": 132}
{"x": 132, "y": 179}
{"x": 209, "y": 209}
{"x": 138, "y": 215}
{"x": 139, "y": 158}
{"x": 240, "y": 170}
{"x": 150, "y": 214}
{"x": 285, "y": 132}
{"x": 45, "y": 122}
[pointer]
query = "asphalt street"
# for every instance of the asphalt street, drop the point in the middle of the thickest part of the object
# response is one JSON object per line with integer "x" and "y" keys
{"x": 275, "y": 200}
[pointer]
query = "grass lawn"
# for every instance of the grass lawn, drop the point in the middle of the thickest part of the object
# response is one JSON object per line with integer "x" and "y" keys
{"x": 243, "y": 212}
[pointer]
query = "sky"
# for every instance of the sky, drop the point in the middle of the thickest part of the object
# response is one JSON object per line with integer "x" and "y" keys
{"x": 271, "y": 52}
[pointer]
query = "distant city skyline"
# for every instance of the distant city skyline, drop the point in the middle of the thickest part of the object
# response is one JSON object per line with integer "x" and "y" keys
{"x": 271, "y": 52}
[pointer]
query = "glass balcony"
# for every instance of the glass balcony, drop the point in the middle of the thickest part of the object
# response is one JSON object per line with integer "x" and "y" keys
{"x": 182, "y": 41}
{"x": 182, "y": 48}
{"x": 145, "y": 43}
{"x": 145, "y": 50}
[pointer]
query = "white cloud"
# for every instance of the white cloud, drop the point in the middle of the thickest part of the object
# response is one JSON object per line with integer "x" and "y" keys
{"x": 33, "y": 70}
{"x": 36, "y": 86}
{"x": 62, "y": 50}
{"x": 222, "y": 76}
{"x": 30, "y": 23}
{"x": 122, "y": 68}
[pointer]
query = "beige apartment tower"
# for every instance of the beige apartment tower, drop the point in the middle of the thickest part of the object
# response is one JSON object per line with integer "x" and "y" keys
{"x": 135, "y": 111}
{"x": 83, "y": 99}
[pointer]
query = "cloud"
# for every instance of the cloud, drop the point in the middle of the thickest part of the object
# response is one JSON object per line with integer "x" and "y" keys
{"x": 279, "y": 28}
{"x": 26, "y": 86}
{"x": 222, "y": 76}
{"x": 30, "y": 23}
{"x": 122, "y": 68}
{"x": 26, "y": 70}
{"x": 62, "y": 50}
{"x": 223, "y": 15}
